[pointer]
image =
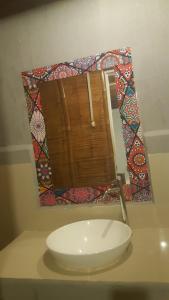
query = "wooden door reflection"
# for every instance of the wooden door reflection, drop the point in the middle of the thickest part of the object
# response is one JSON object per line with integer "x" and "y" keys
{"x": 80, "y": 154}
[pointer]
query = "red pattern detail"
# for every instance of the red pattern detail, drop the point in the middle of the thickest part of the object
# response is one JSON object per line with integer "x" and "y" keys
{"x": 36, "y": 149}
{"x": 38, "y": 102}
{"x": 109, "y": 59}
{"x": 125, "y": 51}
{"x": 48, "y": 198}
{"x": 134, "y": 162}
{"x": 63, "y": 71}
{"x": 125, "y": 70}
{"x": 40, "y": 72}
{"x": 33, "y": 92}
{"x": 120, "y": 86}
{"x": 81, "y": 195}
{"x": 42, "y": 155}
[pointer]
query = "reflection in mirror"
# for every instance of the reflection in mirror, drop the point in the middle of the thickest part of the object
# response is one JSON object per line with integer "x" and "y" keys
{"x": 86, "y": 129}
{"x": 116, "y": 128}
{"x": 78, "y": 131}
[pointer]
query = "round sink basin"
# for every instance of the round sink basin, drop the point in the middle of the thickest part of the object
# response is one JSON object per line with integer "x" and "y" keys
{"x": 89, "y": 245}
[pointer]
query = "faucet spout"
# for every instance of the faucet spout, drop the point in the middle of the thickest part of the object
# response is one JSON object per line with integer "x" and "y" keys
{"x": 116, "y": 186}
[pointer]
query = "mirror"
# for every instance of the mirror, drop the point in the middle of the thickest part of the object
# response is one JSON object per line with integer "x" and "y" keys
{"x": 86, "y": 129}
{"x": 78, "y": 131}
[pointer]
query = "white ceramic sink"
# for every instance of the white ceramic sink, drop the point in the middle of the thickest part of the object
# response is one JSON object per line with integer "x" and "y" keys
{"x": 89, "y": 245}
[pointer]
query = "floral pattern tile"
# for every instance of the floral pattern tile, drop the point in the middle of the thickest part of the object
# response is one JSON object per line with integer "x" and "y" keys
{"x": 37, "y": 126}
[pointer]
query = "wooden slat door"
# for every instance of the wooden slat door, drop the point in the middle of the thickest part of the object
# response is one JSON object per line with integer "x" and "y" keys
{"x": 87, "y": 155}
{"x": 57, "y": 134}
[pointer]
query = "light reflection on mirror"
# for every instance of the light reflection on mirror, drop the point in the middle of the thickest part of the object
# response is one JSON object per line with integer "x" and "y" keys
{"x": 116, "y": 127}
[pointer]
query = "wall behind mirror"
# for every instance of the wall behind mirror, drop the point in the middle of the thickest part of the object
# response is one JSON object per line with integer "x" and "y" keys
{"x": 86, "y": 129}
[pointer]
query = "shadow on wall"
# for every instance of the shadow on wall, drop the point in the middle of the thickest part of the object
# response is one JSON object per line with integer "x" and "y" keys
{"x": 63, "y": 290}
{"x": 9, "y": 8}
{"x": 7, "y": 222}
{"x": 32, "y": 291}
{"x": 130, "y": 294}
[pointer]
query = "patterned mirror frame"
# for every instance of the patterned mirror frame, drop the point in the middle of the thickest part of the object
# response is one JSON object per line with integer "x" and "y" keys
{"x": 120, "y": 61}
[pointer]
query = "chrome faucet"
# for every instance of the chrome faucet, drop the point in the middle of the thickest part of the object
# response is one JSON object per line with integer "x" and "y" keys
{"x": 116, "y": 187}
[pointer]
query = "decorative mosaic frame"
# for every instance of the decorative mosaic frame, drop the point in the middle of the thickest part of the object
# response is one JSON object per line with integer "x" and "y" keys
{"x": 120, "y": 61}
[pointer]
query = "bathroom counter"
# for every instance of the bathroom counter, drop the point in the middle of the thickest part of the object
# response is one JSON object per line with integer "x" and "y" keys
{"x": 147, "y": 260}
{"x": 26, "y": 271}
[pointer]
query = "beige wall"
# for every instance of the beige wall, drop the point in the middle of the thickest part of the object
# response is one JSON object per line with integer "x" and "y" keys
{"x": 63, "y": 31}
{"x": 20, "y": 208}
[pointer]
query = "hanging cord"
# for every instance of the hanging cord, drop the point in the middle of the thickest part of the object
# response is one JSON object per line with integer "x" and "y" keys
{"x": 65, "y": 106}
{"x": 93, "y": 124}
